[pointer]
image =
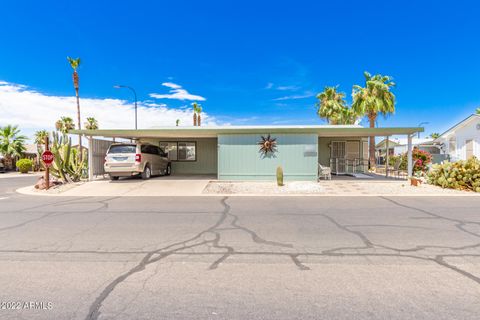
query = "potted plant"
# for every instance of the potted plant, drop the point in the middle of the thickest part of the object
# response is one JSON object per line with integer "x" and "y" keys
{"x": 416, "y": 179}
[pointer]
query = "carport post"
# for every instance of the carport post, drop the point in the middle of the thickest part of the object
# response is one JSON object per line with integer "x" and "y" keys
{"x": 409, "y": 156}
{"x": 90, "y": 158}
{"x": 386, "y": 157}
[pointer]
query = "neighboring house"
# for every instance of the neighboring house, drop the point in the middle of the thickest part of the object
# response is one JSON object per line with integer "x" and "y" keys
{"x": 398, "y": 146}
{"x": 462, "y": 141}
{"x": 380, "y": 149}
{"x": 233, "y": 152}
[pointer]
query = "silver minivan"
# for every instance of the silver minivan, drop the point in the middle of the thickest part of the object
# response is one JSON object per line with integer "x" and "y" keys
{"x": 128, "y": 159}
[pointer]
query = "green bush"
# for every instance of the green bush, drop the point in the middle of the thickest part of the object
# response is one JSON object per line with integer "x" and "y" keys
{"x": 24, "y": 165}
{"x": 463, "y": 175}
{"x": 279, "y": 176}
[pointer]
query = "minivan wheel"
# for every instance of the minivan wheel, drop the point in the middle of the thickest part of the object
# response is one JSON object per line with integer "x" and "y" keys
{"x": 168, "y": 171}
{"x": 114, "y": 178}
{"x": 147, "y": 173}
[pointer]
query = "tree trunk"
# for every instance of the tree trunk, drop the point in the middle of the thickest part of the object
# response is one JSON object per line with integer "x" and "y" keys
{"x": 80, "y": 153}
{"x": 371, "y": 145}
{"x": 194, "y": 119}
{"x": 199, "y": 120}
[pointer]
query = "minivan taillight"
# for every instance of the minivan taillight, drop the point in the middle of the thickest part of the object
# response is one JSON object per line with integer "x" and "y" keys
{"x": 138, "y": 157}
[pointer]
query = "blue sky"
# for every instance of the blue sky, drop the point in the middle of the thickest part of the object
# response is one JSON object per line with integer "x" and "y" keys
{"x": 254, "y": 62}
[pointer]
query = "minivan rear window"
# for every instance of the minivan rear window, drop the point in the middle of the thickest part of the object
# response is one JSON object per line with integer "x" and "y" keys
{"x": 123, "y": 148}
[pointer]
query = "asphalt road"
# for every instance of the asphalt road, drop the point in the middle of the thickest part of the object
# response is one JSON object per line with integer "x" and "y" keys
{"x": 238, "y": 257}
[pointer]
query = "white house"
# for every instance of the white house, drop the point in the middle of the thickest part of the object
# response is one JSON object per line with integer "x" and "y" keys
{"x": 462, "y": 141}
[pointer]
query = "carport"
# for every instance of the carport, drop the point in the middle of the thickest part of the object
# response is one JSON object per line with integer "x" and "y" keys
{"x": 232, "y": 152}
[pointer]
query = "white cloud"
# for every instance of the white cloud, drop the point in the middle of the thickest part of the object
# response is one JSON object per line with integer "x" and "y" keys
{"x": 33, "y": 110}
{"x": 177, "y": 93}
{"x": 295, "y": 97}
{"x": 288, "y": 88}
{"x": 171, "y": 85}
{"x": 269, "y": 85}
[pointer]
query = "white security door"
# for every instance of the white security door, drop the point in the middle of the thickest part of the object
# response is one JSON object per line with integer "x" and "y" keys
{"x": 338, "y": 153}
{"x": 352, "y": 155}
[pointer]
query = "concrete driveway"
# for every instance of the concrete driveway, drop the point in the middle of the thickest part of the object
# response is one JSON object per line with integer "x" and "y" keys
{"x": 239, "y": 257}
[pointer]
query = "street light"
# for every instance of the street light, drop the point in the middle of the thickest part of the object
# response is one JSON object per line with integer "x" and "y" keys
{"x": 118, "y": 86}
{"x": 419, "y": 125}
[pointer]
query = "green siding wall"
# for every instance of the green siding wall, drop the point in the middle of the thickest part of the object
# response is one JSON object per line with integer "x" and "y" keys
{"x": 240, "y": 159}
{"x": 206, "y": 157}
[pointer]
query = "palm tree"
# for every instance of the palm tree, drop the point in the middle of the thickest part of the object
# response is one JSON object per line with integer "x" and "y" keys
{"x": 199, "y": 109}
{"x": 196, "y": 110}
{"x": 91, "y": 124}
{"x": 333, "y": 107}
{"x": 64, "y": 124}
{"x": 75, "y": 63}
{"x": 477, "y": 111}
{"x": 435, "y": 135}
{"x": 177, "y": 122}
{"x": 374, "y": 99}
{"x": 12, "y": 144}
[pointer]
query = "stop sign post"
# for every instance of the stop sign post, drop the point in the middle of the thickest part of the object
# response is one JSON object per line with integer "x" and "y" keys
{"x": 47, "y": 158}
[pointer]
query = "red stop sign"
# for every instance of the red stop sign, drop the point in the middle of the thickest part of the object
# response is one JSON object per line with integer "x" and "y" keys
{"x": 47, "y": 158}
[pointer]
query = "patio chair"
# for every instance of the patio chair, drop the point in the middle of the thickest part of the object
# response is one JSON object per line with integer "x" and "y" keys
{"x": 396, "y": 171}
{"x": 324, "y": 172}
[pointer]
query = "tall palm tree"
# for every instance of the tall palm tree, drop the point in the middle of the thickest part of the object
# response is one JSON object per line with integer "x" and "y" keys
{"x": 197, "y": 108}
{"x": 374, "y": 99}
{"x": 199, "y": 119}
{"x": 12, "y": 144}
{"x": 91, "y": 124}
{"x": 64, "y": 124}
{"x": 333, "y": 107}
{"x": 75, "y": 63}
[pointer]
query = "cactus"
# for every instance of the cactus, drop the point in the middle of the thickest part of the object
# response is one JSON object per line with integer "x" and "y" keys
{"x": 67, "y": 165}
{"x": 463, "y": 175}
{"x": 279, "y": 176}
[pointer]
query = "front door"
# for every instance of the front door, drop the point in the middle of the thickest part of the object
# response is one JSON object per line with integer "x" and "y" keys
{"x": 468, "y": 149}
{"x": 337, "y": 156}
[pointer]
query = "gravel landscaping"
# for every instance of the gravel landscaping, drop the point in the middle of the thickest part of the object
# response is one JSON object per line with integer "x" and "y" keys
{"x": 340, "y": 187}
{"x": 297, "y": 187}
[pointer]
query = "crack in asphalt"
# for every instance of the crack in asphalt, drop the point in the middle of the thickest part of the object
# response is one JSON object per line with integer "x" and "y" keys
{"x": 215, "y": 230}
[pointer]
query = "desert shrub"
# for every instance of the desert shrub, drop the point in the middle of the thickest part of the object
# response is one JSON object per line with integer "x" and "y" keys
{"x": 24, "y": 165}
{"x": 463, "y": 175}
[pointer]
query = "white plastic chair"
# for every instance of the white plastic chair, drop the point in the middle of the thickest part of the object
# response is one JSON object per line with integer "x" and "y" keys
{"x": 324, "y": 172}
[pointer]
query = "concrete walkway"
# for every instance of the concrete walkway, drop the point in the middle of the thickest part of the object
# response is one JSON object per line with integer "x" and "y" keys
{"x": 188, "y": 186}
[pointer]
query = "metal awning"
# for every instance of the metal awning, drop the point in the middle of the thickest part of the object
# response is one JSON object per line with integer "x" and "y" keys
{"x": 211, "y": 132}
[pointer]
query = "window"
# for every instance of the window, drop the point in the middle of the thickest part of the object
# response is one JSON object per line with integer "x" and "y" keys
{"x": 150, "y": 149}
{"x": 180, "y": 150}
{"x": 186, "y": 151}
{"x": 452, "y": 146}
{"x": 122, "y": 148}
